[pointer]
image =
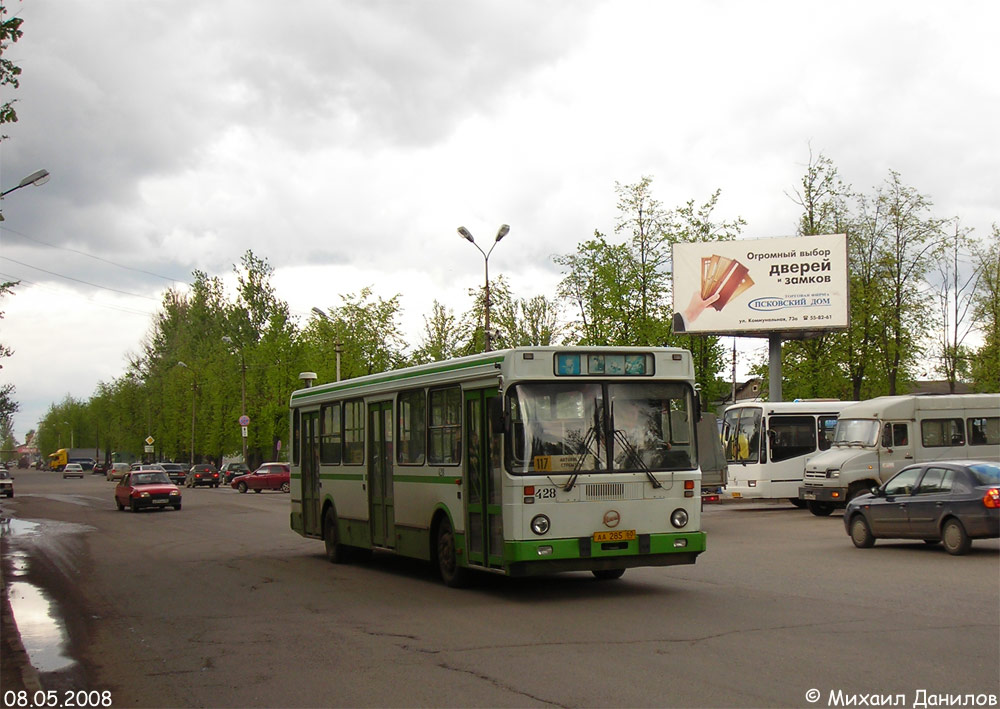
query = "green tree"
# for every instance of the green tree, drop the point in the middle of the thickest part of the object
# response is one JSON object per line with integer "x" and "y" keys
{"x": 985, "y": 368}
{"x": 907, "y": 239}
{"x": 955, "y": 301}
{"x": 815, "y": 366}
{"x": 10, "y": 31}
{"x": 369, "y": 332}
{"x": 441, "y": 336}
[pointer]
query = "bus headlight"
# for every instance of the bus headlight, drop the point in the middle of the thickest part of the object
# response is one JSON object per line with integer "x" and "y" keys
{"x": 679, "y": 517}
{"x": 540, "y": 524}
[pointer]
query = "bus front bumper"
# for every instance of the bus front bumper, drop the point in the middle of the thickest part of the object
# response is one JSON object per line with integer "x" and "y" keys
{"x": 532, "y": 558}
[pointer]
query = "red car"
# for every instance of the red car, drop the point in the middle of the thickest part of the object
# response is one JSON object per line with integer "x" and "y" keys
{"x": 269, "y": 476}
{"x": 146, "y": 488}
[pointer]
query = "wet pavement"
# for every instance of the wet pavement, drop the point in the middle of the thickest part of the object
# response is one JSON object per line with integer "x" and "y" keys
{"x": 34, "y": 634}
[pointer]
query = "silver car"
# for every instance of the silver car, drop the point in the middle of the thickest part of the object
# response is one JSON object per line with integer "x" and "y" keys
{"x": 72, "y": 470}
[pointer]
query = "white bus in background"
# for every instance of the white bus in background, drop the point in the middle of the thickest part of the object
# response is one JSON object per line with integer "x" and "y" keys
{"x": 767, "y": 445}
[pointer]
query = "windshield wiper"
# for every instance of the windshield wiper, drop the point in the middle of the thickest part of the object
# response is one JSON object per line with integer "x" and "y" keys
{"x": 632, "y": 453}
{"x": 587, "y": 441}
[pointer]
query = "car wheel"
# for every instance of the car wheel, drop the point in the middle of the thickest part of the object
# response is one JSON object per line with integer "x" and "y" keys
{"x": 861, "y": 533}
{"x": 285, "y": 487}
{"x": 608, "y": 574}
{"x": 177, "y": 507}
{"x": 452, "y": 574}
{"x": 133, "y": 506}
{"x": 821, "y": 509}
{"x": 335, "y": 551}
{"x": 954, "y": 538}
{"x": 119, "y": 505}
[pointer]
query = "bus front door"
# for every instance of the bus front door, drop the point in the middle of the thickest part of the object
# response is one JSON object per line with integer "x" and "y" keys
{"x": 311, "y": 523}
{"x": 380, "y": 495}
{"x": 484, "y": 481}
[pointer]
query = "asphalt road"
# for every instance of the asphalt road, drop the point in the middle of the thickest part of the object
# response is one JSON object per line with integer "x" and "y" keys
{"x": 222, "y": 605}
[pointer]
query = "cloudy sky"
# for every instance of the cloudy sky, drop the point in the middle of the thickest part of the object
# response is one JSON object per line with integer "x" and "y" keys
{"x": 344, "y": 141}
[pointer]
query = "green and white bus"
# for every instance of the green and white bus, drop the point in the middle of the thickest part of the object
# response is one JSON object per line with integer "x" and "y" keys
{"x": 521, "y": 462}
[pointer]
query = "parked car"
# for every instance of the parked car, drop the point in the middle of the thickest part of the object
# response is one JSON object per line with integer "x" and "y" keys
{"x": 269, "y": 476}
{"x": 951, "y": 502}
{"x": 72, "y": 470}
{"x": 6, "y": 483}
{"x": 116, "y": 471}
{"x": 146, "y": 488}
{"x": 231, "y": 470}
{"x": 177, "y": 472}
{"x": 202, "y": 474}
{"x": 99, "y": 469}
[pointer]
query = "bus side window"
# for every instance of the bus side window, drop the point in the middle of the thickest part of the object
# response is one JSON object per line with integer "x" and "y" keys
{"x": 984, "y": 431}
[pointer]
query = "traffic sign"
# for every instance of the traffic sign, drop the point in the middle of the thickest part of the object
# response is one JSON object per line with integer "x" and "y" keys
{"x": 149, "y": 440}
{"x": 244, "y": 421}
{"x": 244, "y": 431}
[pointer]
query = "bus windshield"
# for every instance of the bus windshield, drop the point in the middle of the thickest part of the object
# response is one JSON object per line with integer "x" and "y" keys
{"x": 567, "y": 427}
{"x": 856, "y": 432}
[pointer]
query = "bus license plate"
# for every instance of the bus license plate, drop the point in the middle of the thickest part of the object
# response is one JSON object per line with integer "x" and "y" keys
{"x": 808, "y": 495}
{"x": 618, "y": 535}
{"x": 737, "y": 495}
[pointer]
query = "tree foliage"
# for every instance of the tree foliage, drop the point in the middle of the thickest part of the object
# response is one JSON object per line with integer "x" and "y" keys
{"x": 10, "y": 31}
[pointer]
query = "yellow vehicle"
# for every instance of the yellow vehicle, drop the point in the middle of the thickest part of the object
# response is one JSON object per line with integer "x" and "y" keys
{"x": 58, "y": 460}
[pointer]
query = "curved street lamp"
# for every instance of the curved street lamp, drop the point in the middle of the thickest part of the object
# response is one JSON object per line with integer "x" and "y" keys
{"x": 321, "y": 314}
{"x": 467, "y": 235}
{"x": 39, "y": 177}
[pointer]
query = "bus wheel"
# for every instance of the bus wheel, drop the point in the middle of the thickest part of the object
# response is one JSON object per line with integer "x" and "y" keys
{"x": 335, "y": 551}
{"x": 608, "y": 574}
{"x": 820, "y": 509}
{"x": 452, "y": 574}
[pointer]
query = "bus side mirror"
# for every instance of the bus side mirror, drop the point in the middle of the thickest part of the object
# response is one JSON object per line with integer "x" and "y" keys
{"x": 494, "y": 411}
{"x": 697, "y": 405}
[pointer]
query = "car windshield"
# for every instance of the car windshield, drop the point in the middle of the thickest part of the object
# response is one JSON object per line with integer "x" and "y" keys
{"x": 856, "y": 432}
{"x": 986, "y": 473}
{"x": 150, "y": 478}
{"x": 569, "y": 427}
{"x": 4, "y": 475}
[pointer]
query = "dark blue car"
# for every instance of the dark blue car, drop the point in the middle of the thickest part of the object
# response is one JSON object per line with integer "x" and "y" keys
{"x": 948, "y": 502}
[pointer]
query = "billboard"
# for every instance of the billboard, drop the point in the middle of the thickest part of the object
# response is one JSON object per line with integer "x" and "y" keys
{"x": 761, "y": 285}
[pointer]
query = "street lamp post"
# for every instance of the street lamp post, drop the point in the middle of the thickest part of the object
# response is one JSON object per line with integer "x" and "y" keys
{"x": 194, "y": 385}
{"x": 72, "y": 439}
{"x": 243, "y": 392}
{"x": 321, "y": 314}
{"x": 39, "y": 177}
{"x": 467, "y": 235}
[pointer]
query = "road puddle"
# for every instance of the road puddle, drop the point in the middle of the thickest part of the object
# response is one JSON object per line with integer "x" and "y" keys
{"x": 43, "y": 634}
